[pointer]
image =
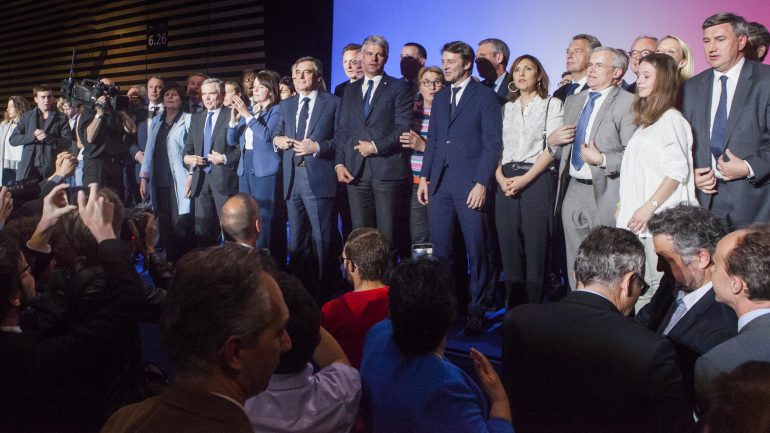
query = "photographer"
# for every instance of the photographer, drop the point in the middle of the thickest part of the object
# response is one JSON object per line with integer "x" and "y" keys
{"x": 69, "y": 378}
{"x": 103, "y": 130}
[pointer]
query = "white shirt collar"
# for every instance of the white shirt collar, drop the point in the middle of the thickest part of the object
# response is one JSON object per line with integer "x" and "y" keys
{"x": 733, "y": 73}
{"x": 14, "y": 329}
{"x": 312, "y": 95}
{"x": 229, "y": 398}
{"x": 693, "y": 297}
{"x": 751, "y": 315}
{"x": 499, "y": 81}
{"x": 462, "y": 85}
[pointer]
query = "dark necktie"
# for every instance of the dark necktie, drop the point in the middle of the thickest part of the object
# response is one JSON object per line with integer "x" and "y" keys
{"x": 154, "y": 112}
{"x": 455, "y": 91}
{"x": 207, "y": 140}
{"x": 301, "y": 125}
{"x": 582, "y": 129}
{"x": 720, "y": 122}
{"x": 572, "y": 88}
{"x": 367, "y": 96}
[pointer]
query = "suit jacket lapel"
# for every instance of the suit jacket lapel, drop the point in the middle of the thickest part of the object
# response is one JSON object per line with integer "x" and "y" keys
{"x": 468, "y": 93}
{"x": 293, "y": 105}
{"x": 739, "y": 99}
{"x": 51, "y": 116}
{"x": 705, "y": 99}
{"x": 691, "y": 316}
{"x": 377, "y": 92}
{"x": 603, "y": 110}
{"x": 318, "y": 107}
{"x": 222, "y": 119}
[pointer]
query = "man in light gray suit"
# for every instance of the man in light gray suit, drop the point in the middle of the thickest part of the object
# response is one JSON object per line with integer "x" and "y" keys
{"x": 590, "y": 145}
{"x": 742, "y": 281}
{"x": 728, "y": 108}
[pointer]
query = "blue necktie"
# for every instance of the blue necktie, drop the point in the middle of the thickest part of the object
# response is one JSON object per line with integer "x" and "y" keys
{"x": 207, "y": 140}
{"x": 367, "y": 96}
{"x": 720, "y": 122}
{"x": 582, "y": 129}
{"x": 455, "y": 91}
{"x": 571, "y": 89}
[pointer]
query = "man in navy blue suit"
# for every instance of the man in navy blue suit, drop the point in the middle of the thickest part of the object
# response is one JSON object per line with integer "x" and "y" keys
{"x": 309, "y": 183}
{"x": 375, "y": 111}
{"x": 462, "y": 153}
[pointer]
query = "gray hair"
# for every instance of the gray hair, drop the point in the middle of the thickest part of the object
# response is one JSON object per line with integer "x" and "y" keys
{"x": 217, "y": 293}
{"x": 645, "y": 37}
{"x": 737, "y": 23}
{"x": 607, "y": 254}
{"x": 220, "y": 84}
{"x": 499, "y": 47}
{"x": 318, "y": 70}
{"x": 619, "y": 57}
{"x": 593, "y": 41}
{"x": 377, "y": 40}
{"x": 691, "y": 228}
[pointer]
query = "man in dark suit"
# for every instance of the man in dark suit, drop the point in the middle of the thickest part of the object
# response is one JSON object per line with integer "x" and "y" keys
{"x": 578, "y": 54}
{"x": 590, "y": 146}
{"x": 374, "y": 112}
{"x": 642, "y": 46}
{"x": 225, "y": 344}
{"x": 194, "y": 86}
{"x": 352, "y": 62}
{"x": 618, "y": 375}
{"x": 43, "y": 132}
{"x": 727, "y": 108}
{"x": 309, "y": 183}
{"x": 212, "y": 162}
{"x": 492, "y": 58}
{"x": 684, "y": 309}
{"x": 144, "y": 120}
{"x": 742, "y": 282}
{"x": 462, "y": 153}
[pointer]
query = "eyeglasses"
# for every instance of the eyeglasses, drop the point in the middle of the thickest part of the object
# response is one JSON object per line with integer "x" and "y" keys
{"x": 645, "y": 286}
{"x": 428, "y": 83}
{"x": 634, "y": 53}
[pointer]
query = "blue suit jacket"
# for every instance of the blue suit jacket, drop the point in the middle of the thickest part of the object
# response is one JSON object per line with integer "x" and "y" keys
{"x": 323, "y": 122}
{"x": 390, "y": 115}
{"x": 266, "y": 161}
{"x": 470, "y": 140}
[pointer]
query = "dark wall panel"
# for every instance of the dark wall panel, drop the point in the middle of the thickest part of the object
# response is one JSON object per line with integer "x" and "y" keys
{"x": 219, "y": 37}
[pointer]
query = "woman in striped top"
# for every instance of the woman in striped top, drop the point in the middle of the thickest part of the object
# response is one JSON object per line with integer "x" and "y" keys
{"x": 431, "y": 80}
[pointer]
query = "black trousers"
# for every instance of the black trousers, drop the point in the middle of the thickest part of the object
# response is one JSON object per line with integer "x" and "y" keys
{"x": 523, "y": 227}
{"x": 208, "y": 207}
{"x": 175, "y": 230}
{"x": 107, "y": 172}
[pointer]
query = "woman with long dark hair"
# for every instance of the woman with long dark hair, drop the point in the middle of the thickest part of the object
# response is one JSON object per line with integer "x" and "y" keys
{"x": 527, "y": 188}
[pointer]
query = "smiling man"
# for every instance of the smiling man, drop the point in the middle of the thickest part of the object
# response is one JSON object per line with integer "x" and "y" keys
{"x": 578, "y": 53}
{"x": 727, "y": 108}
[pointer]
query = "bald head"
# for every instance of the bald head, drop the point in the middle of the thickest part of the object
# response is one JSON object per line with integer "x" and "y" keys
{"x": 240, "y": 218}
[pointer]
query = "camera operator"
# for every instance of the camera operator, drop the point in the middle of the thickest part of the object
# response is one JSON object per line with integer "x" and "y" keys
{"x": 43, "y": 132}
{"x": 104, "y": 130}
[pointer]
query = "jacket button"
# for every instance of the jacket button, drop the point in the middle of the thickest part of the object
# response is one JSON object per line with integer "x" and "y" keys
{"x": 448, "y": 142}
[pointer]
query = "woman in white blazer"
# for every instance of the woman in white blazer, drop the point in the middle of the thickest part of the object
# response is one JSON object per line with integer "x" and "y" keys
{"x": 164, "y": 175}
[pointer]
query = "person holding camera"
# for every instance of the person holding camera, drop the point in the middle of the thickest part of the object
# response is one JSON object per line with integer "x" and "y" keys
{"x": 43, "y": 132}
{"x": 102, "y": 129}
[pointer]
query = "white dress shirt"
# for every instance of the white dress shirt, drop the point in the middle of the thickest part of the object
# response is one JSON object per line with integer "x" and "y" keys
{"x": 689, "y": 300}
{"x": 365, "y": 86}
{"x": 751, "y": 315}
{"x": 733, "y": 74}
{"x": 585, "y": 171}
{"x": 459, "y": 95}
{"x": 523, "y": 132}
{"x": 313, "y": 96}
{"x": 498, "y": 82}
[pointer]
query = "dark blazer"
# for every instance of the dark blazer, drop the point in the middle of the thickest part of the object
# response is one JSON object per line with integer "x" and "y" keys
{"x": 59, "y": 139}
{"x": 265, "y": 160}
{"x": 469, "y": 140}
{"x": 561, "y": 92}
{"x": 140, "y": 144}
{"x": 707, "y": 324}
{"x": 751, "y": 344}
{"x": 503, "y": 92}
{"x": 339, "y": 89}
{"x": 323, "y": 121}
{"x": 747, "y": 136}
{"x": 223, "y": 178}
{"x": 390, "y": 115}
{"x": 180, "y": 409}
{"x": 579, "y": 366}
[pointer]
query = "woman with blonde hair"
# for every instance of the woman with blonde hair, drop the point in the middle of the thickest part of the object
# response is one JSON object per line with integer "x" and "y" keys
{"x": 680, "y": 52}
{"x": 657, "y": 168}
{"x": 11, "y": 155}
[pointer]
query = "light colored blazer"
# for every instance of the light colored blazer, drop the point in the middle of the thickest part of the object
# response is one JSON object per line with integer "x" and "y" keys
{"x": 175, "y": 146}
{"x": 611, "y": 130}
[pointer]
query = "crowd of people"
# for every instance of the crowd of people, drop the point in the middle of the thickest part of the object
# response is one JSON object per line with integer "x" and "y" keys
{"x": 653, "y": 196}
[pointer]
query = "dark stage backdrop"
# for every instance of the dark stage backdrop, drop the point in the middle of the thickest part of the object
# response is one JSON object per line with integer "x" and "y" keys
{"x": 112, "y": 38}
